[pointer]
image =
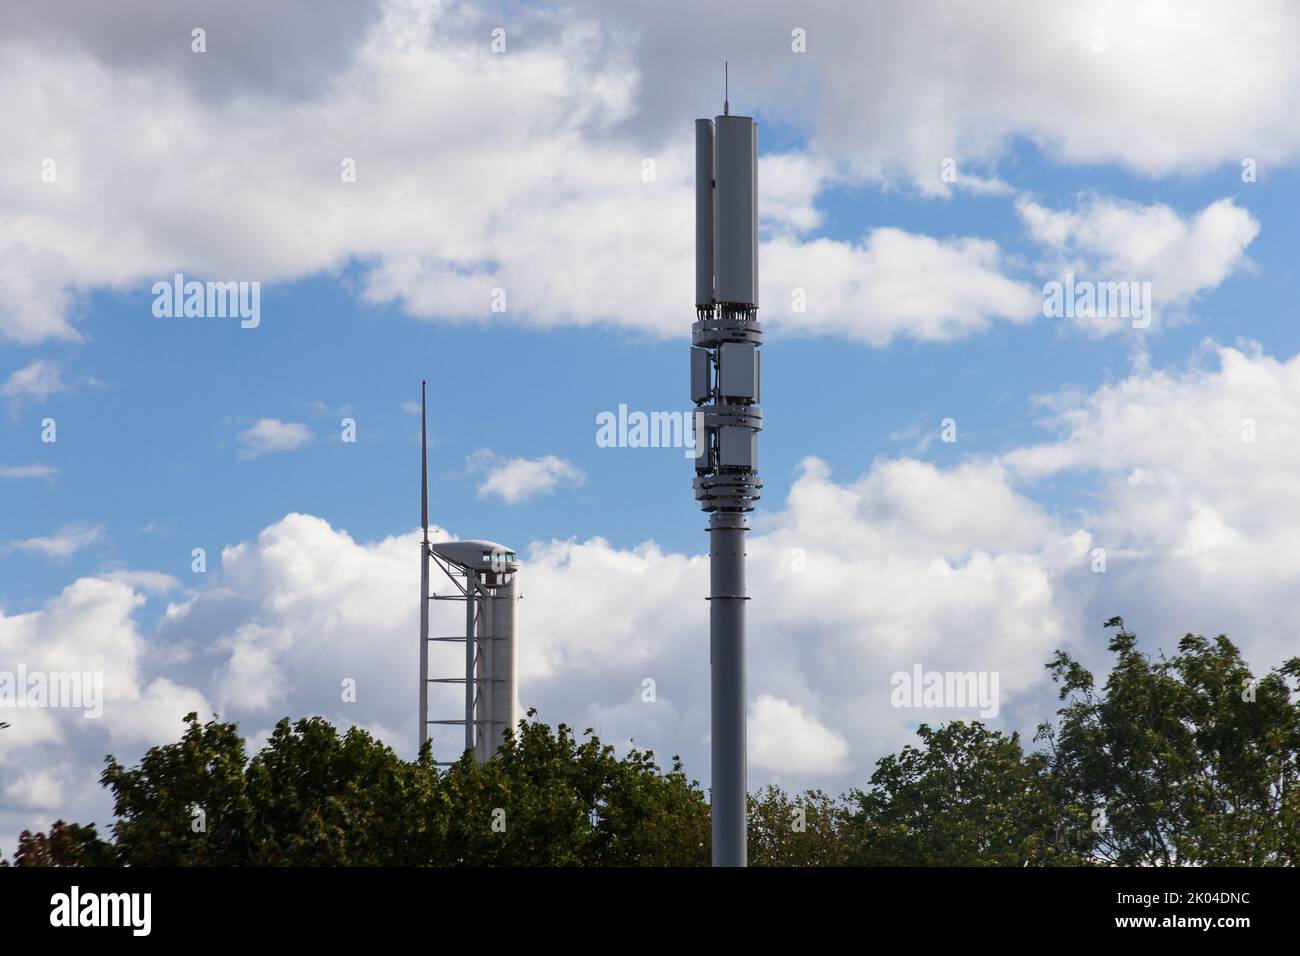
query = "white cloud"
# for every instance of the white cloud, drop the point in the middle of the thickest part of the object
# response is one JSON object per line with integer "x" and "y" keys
{"x": 507, "y": 205}
{"x": 40, "y": 789}
{"x": 266, "y": 49}
{"x": 279, "y": 599}
{"x": 1200, "y": 520}
{"x": 52, "y": 755}
{"x": 516, "y": 480}
{"x": 893, "y": 284}
{"x": 952, "y": 568}
{"x": 305, "y": 606}
{"x": 784, "y": 739}
{"x": 271, "y": 435}
{"x": 891, "y": 91}
{"x": 65, "y": 542}
{"x": 790, "y": 184}
{"x": 1106, "y": 240}
{"x": 37, "y": 381}
{"x": 155, "y": 712}
{"x": 250, "y": 678}
{"x": 28, "y": 471}
{"x": 523, "y": 173}
{"x": 542, "y": 209}
{"x": 88, "y": 628}
{"x": 153, "y": 582}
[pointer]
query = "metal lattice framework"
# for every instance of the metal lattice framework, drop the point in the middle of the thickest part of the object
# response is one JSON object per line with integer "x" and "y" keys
{"x": 483, "y": 574}
{"x": 481, "y": 592}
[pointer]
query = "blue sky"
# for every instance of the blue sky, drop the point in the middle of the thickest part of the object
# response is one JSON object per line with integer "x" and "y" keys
{"x": 523, "y": 169}
{"x": 148, "y": 451}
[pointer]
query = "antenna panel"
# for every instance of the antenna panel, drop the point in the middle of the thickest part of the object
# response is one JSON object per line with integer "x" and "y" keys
{"x": 735, "y": 210}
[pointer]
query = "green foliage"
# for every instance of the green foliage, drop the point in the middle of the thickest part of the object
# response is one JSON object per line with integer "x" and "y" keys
{"x": 1187, "y": 760}
{"x": 565, "y": 802}
{"x": 808, "y": 829}
{"x": 187, "y": 803}
{"x": 968, "y": 796}
{"x": 321, "y": 799}
{"x": 314, "y": 797}
{"x": 1192, "y": 760}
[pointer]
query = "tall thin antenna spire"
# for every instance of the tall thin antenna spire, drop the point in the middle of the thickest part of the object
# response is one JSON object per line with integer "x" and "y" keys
{"x": 726, "y": 88}
{"x": 424, "y": 573}
{"x": 424, "y": 468}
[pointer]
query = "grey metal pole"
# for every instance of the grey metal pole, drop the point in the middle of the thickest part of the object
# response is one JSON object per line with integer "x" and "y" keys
{"x": 471, "y": 592}
{"x": 725, "y": 389}
{"x": 424, "y": 574}
{"x": 727, "y": 686}
{"x": 489, "y": 674}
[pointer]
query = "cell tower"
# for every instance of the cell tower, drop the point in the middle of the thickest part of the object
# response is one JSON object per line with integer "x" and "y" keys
{"x": 725, "y": 389}
{"x": 485, "y": 577}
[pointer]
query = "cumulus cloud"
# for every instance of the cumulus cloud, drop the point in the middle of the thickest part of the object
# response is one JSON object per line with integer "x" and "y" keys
{"x": 53, "y": 755}
{"x": 954, "y": 568}
{"x": 891, "y": 285}
{"x": 262, "y": 49}
{"x": 516, "y": 480}
{"x": 354, "y": 608}
{"x": 1199, "y": 481}
{"x": 531, "y": 205}
{"x": 271, "y": 435}
{"x": 305, "y": 606}
{"x": 87, "y": 628}
{"x": 784, "y": 739}
{"x": 40, "y": 789}
{"x": 518, "y": 181}
{"x": 1107, "y": 240}
{"x": 893, "y": 91}
{"x": 791, "y": 182}
{"x": 155, "y": 713}
{"x": 494, "y": 179}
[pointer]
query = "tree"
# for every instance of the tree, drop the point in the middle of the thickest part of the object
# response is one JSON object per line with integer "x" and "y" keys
{"x": 548, "y": 799}
{"x": 67, "y": 844}
{"x": 1189, "y": 760}
{"x": 324, "y": 799}
{"x": 1181, "y": 761}
{"x": 186, "y": 804}
{"x": 968, "y": 796}
{"x": 314, "y": 797}
{"x": 808, "y": 829}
